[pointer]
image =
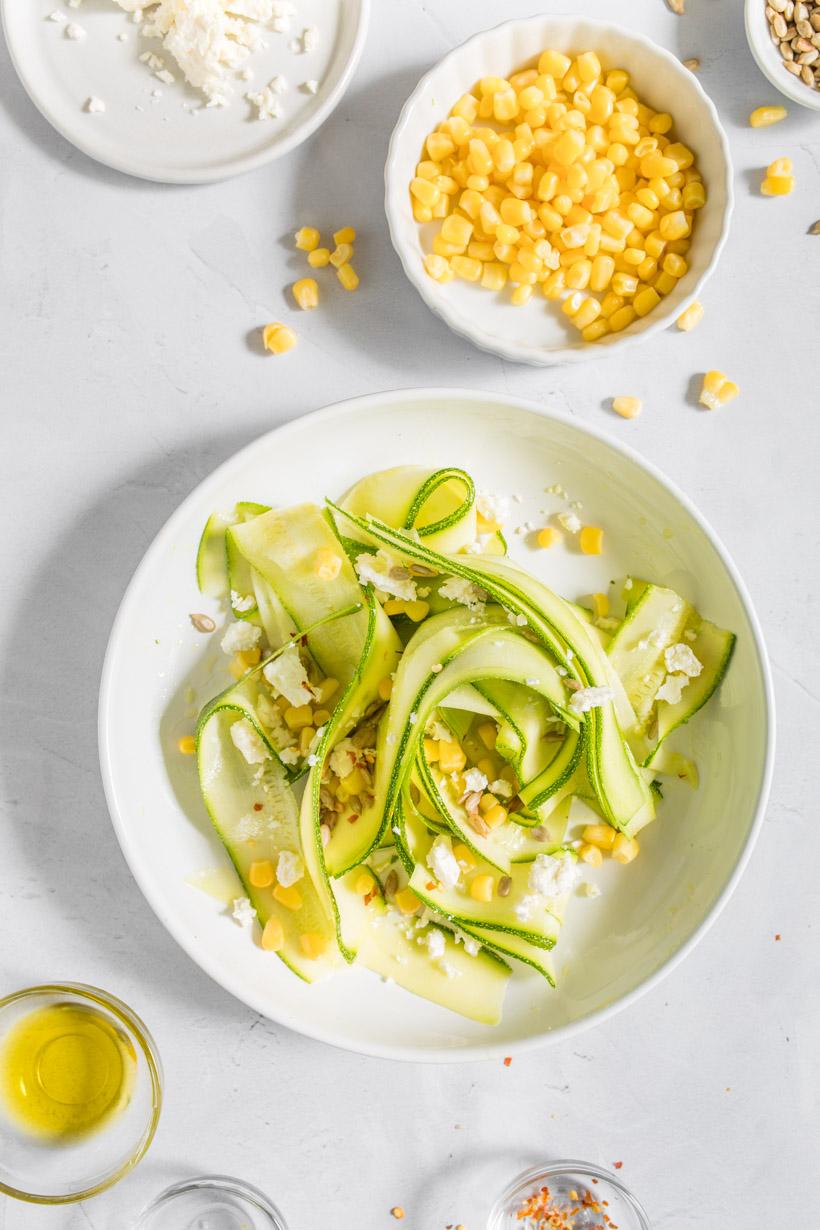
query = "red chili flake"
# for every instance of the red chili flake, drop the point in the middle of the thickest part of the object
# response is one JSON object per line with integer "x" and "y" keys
{"x": 257, "y": 807}
{"x": 617, "y": 1165}
{"x": 353, "y": 817}
{"x": 508, "y": 1061}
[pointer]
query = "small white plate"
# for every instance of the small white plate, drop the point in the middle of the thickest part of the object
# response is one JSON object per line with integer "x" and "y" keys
{"x": 158, "y": 671}
{"x": 164, "y": 132}
{"x": 540, "y": 333}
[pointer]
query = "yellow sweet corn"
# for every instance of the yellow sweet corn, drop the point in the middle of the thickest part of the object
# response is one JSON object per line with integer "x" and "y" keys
{"x": 591, "y": 855}
{"x": 313, "y": 944}
{"x": 548, "y": 536}
{"x": 306, "y": 293}
{"x": 348, "y": 277}
{"x": 600, "y": 604}
{"x": 451, "y": 756}
{"x": 278, "y": 338}
{"x": 627, "y": 407}
{"x": 488, "y": 734}
{"x": 261, "y": 874}
{"x": 289, "y": 897}
{"x": 273, "y": 935}
{"x": 348, "y": 235}
{"x": 762, "y": 117}
{"x": 307, "y": 239}
{"x": 691, "y": 316}
{"x": 717, "y": 390}
{"x": 319, "y": 258}
{"x": 186, "y": 745}
{"x": 385, "y": 688}
{"x": 624, "y": 849}
{"x": 591, "y": 540}
{"x": 482, "y": 888}
{"x": 407, "y": 901}
{"x": 341, "y": 255}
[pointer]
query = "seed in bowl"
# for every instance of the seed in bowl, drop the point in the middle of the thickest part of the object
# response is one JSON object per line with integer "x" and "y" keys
{"x": 795, "y": 31}
{"x": 560, "y": 179}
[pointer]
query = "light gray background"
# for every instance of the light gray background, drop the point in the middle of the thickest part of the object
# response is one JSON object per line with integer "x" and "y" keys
{"x": 129, "y": 368}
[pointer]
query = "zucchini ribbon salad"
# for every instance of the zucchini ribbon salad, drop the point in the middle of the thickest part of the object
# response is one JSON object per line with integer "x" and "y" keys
{"x": 416, "y": 727}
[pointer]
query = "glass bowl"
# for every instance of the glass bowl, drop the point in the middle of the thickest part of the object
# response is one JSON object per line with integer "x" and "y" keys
{"x": 595, "y": 1197}
{"x": 213, "y": 1202}
{"x": 43, "y": 1170}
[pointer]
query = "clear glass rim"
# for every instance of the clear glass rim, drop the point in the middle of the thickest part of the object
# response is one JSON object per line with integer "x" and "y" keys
{"x": 223, "y": 1182}
{"x": 138, "y": 1030}
{"x": 549, "y": 1170}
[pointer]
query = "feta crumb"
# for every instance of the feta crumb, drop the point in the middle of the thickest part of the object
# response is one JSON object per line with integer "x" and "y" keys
{"x": 74, "y": 32}
{"x": 378, "y": 570}
{"x": 241, "y": 602}
{"x": 493, "y": 507}
{"x": 590, "y": 698}
{"x": 589, "y": 889}
{"x": 551, "y": 876}
{"x": 287, "y": 676}
{"x": 246, "y": 74}
{"x": 246, "y": 740}
{"x": 278, "y": 84}
{"x": 267, "y": 104}
{"x": 570, "y": 521}
{"x": 57, "y": 17}
{"x": 435, "y": 944}
{"x": 526, "y": 906}
{"x": 672, "y": 688}
{"x": 414, "y": 717}
{"x": 153, "y": 61}
{"x": 471, "y": 946}
{"x": 501, "y": 789}
{"x": 165, "y": 77}
{"x": 242, "y": 911}
{"x": 290, "y": 868}
{"x": 690, "y": 634}
{"x": 240, "y": 636}
{"x": 94, "y": 105}
{"x": 457, "y": 589}
{"x": 343, "y": 758}
{"x": 679, "y": 659}
{"x": 443, "y": 863}
{"x": 310, "y": 87}
{"x": 288, "y": 755}
{"x": 474, "y": 780}
{"x": 122, "y": 37}
{"x": 628, "y": 583}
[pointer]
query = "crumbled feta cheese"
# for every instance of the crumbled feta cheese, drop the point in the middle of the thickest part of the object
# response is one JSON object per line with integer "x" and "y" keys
{"x": 268, "y": 106}
{"x": 589, "y": 889}
{"x": 672, "y": 688}
{"x": 457, "y": 589}
{"x": 166, "y": 77}
{"x": 448, "y": 970}
{"x": 414, "y": 717}
{"x": 247, "y": 741}
{"x": 435, "y": 944}
{"x": 277, "y": 729}
{"x": 590, "y": 698}
{"x": 240, "y": 636}
{"x": 289, "y": 868}
{"x": 380, "y": 571}
{"x": 278, "y": 84}
{"x": 690, "y": 635}
{"x": 552, "y": 877}
{"x": 525, "y": 908}
{"x": 474, "y": 780}
{"x": 74, "y": 32}
{"x": 94, "y": 105}
{"x": 501, "y": 789}
{"x": 471, "y": 946}
{"x": 344, "y": 758}
{"x": 242, "y": 911}
{"x": 239, "y": 602}
{"x": 628, "y": 583}
{"x": 288, "y": 755}
{"x": 122, "y": 37}
{"x": 679, "y": 659}
{"x": 493, "y": 507}
{"x": 57, "y": 17}
{"x": 570, "y": 521}
{"x": 154, "y": 62}
{"x": 437, "y": 730}
{"x": 287, "y": 676}
{"x": 310, "y": 87}
{"x": 443, "y": 863}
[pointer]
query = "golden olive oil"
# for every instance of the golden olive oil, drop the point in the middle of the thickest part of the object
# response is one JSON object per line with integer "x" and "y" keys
{"x": 65, "y": 1071}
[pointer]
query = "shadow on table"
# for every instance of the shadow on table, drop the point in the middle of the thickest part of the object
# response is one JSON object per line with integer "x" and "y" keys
{"x": 49, "y": 679}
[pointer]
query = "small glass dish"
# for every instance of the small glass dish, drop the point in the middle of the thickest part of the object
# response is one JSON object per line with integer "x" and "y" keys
{"x": 588, "y": 1197}
{"x": 212, "y": 1202}
{"x": 49, "y": 1170}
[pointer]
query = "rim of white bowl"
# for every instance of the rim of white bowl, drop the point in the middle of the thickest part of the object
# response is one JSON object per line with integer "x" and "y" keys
{"x": 242, "y": 166}
{"x": 487, "y": 1050}
{"x": 769, "y": 61}
{"x": 396, "y": 187}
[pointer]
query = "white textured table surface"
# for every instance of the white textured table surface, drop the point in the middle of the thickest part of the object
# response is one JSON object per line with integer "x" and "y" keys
{"x": 129, "y": 370}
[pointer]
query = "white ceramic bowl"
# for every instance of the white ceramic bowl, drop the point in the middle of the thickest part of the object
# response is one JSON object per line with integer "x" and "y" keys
{"x": 648, "y": 915}
{"x": 162, "y": 131}
{"x": 770, "y": 61}
{"x": 540, "y": 333}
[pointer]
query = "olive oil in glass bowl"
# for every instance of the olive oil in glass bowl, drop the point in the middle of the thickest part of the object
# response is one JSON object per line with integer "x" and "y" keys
{"x": 80, "y": 1092}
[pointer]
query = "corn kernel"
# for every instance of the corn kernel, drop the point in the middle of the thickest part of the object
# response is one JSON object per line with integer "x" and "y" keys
{"x": 451, "y": 756}
{"x": 394, "y": 606}
{"x": 665, "y": 283}
{"x": 341, "y": 255}
{"x": 646, "y": 300}
{"x": 321, "y": 716}
{"x": 624, "y": 849}
{"x": 464, "y": 855}
{"x": 466, "y": 267}
{"x": 313, "y": 944}
{"x": 273, "y": 935}
{"x": 385, "y": 688}
{"x": 431, "y": 750}
{"x": 600, "y": 835}
{"x": 548, "y": 537}
{"x": 186, "y": 745}
{"x": 594, "y": 332}
{"x": 327, "y": 688}
{"x": 777, "y": 185}
{"x": 319, "y": 258}
{"x": 691, "y": 316}
{"x": 298, "y": 716}
{"x": 260, "y": 874}
{"x": 600, "y": 604}
{"x": 587, "y": 314}
{"x": 590, "y": 855}
{"x": 591, "y": 540}
{"x": 364, "y": 884}
{"x": 482, "y": 888}
{"x": 675, "y": 265}
{"x": 306, "y": 293}
{"x": 521, "y": 295}
{"x": 407, "y": 901}
{"x": 424, "y": 192}
{"x": 457, "y": 230}
{"x": 466, "y": 108}
{"x": 488, "y": 733}
{"x": 780, "y": 166}
{"x": 348, "y": 235}
{"x": 348, "y": 277}
{"x": 278, "y": 338}
{"x": 693, "y": 196}
{"x": 416, "y": 610}
{"x": 494, "y": 275}
{"x": 717, "y": 390}
{"x": 307, "y": 239}
{"x": 289, "y": 897}
{"x": 627, "y": 407}
{"x": 624, "y": 284}
{"x": 438, "y": 267}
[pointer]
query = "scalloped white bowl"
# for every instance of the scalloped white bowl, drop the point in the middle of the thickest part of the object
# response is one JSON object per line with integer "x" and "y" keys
{"x": 539, "y": 333}
{"x": 769, "y": 60}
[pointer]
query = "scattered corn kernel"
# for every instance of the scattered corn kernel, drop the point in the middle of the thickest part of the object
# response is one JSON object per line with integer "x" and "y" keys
{"x": 488, "y": 734}
{"x": 627, "y": 407}
{"x": 306, "y": 293}
{"x": 600, "y": 604}
{"x": 346, "y": 235}
{"x": 762, "y": 117}
{"x": 312, "y": 944}
{"x": 407, "y": 901}
{"x": 451, "y": 756}
{"x": 495, "y": 815}
{"x": 431, "y": 750}
{"x": 464, "y": 855}
{"x": 717, "y": 390}
{"x": 777, "y": 185}
{"x": 691, "y": 316}
{"x": 327, "y": 688}
{"x": 601, "y": 835}
{"x": 187, "y": 745}
{"x": 327, "y": 564}
{"x": 590, "y": 855}
{"x": 385, "y": 688}
{"x": 348, "y": 277}
{"x": 278, "y": 338}
{"x": 261, "y": 873}
{"x": 548, "y": 536}
{"x": 289, "y": 897}
{"x": 438, "y": 267}
{"x": 364, "y": 884}
{"x": 482, "y": 888}
{"x": 624, "y": 849}
{"x": 297, "y": 716}
{"x": 591, "y": 540}
{"x": 273, "y": 935}
{"x": 417, "y": 610}
{"x": 307, "y": 239}
{"x": 319, "y": 258}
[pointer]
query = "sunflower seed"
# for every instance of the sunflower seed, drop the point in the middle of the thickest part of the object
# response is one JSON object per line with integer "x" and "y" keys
{"x": 807, "y": 76}
{"x": 786, "y": 51}
{"x": 504, "y": 886}
{"x": 391, "y": 883}
{"x": 478, "y": 825}
{"x": 815, "y": 229}
{"x": 792, "y": 68}
{"x": 693, "y": 64}
{"x": 400, "y": 573}
{"x": 779, "y": 26}
{"x": 202, "y": 623}
{"x": 804, "y": 28}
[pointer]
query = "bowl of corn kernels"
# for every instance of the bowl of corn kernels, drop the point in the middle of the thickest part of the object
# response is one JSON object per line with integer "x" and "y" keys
{"x": 556, "y": 188}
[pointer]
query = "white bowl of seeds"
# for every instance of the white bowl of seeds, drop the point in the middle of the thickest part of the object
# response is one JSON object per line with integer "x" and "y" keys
{"x": 784, "y": 38}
